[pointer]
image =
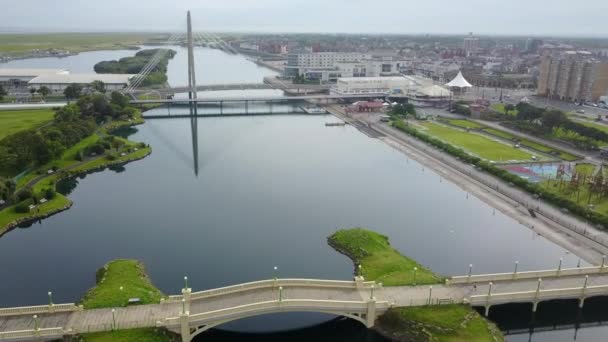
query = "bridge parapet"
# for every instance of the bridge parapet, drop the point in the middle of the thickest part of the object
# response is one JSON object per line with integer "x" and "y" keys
{"x": 264, "y": 284}
{"x": 32, "y": 333}
{"x": 485, "y": 278}
{"x": 40, "y": 309}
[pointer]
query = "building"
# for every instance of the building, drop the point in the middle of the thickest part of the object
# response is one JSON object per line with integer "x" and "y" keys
{"x": 574, "y": 76}
{"x": 419, "y": 91}
{"x": 471, "y": 45}
{"x": 320, "y": 66}
{"x": 14, "y": 78}
{"x": 58, "y": 82}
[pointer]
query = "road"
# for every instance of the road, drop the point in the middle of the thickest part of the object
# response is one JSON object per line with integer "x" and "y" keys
{"x": 18, "y": 106}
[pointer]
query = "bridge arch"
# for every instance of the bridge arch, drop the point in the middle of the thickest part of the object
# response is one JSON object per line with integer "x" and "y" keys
{"x": 199, "y": 329}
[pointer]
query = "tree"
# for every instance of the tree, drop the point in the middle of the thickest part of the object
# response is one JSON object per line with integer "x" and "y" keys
{"x": 33, "y": 91}
{"x": 119, "y": 99}
{"x": 509, "y": 108}
{"x": 44, "y": 91}
{"x": 553, "y": 118}
{"x": 72, "y": 91}
{"x": 98, "y": 86}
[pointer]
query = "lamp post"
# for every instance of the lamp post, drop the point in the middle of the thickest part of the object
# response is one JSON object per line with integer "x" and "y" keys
{"x": 280, "y": 293}
{"x": 275, "y": 273}
{"x": 470, "y": 272}
{"x": 113, "y": 319}
{"x": 36, "y": 327}
{"x": 185, "y": 282}
{"x": 430, "y": 295}
{"x": 516, "y": 265}
{"x": 415, "y": 272}
{"x": 50, "y": 293}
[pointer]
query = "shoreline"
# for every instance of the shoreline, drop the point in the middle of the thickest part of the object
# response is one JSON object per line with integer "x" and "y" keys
{"x": 583, "y": 247}
{"x": 32, "y": 219}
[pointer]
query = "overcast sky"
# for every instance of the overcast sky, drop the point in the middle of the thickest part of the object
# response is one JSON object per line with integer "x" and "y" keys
{"x": 522, "y": 17}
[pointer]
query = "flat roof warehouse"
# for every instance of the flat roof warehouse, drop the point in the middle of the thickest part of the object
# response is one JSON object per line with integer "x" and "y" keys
{"x": 58, "y": 79}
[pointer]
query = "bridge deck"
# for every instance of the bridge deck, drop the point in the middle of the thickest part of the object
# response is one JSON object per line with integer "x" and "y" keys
{"x": 325, "y": 293}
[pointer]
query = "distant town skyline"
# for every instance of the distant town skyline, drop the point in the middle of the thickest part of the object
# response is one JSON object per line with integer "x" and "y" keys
{"x": 516, "y": 17}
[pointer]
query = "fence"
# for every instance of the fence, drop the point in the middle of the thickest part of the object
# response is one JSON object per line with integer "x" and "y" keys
{"x": 263, "y": 284}
{"x": 484, "y": 278}
{"x": 40, "y": 309}
{"x": 46, "y": 332}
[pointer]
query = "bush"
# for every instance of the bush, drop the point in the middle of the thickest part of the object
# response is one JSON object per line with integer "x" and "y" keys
{"x": 24, "y": 194}
{"x": 50, "y": 193}
{"x": 24, "y": 206}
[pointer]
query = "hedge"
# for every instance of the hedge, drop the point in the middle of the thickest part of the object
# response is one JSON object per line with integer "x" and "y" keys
{"x": 573, "y": 207}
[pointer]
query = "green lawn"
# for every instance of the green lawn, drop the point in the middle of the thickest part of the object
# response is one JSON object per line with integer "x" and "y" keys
{"x": 128, "y": 274}
{"x": 379, "y": 261}
{"x": 13, "y": 121}
{"x": 446, "y": 323}
{"x": 476, "y": 144}
{"x": 22, "y": 43}
{"x": 9, "y": 215}
{"x": 465, "y": 124}
{"x": 599, "y": 126}
{"x": 585, "y": 169}
{"x": 500, "y": 107}
{"x": 139, "y": 335}
{"x": 531, "y": 144}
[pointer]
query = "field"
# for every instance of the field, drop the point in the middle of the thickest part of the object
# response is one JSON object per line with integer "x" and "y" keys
{"x": 13, "y": 121}
{"x": 20, "y": 44}
{"x": 500, "y": 107}
{"x": 379, "y": 261}
{"x": 603, "y": 128}
{"x": 465, "y": 124}
{"x": 476, "y": 144}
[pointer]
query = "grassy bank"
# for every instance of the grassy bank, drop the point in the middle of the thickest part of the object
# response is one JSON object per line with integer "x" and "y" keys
{"x": 448, "y": 323}
{"x": 476, "y": 144}
{"x": 379, "y": 261}
{"x": 382, "y": 263}
{"x": 118, "y": 281}
{"x": 13, "y": 121}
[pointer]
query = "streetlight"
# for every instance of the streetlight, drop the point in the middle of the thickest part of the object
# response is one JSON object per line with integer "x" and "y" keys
{"x": 36, "y": 327}
{"x": 113, "y": 319}
{"x": 280, "y": 293}
{"x": 415, "y": 271}
{"x": 185, "y": 282}
{"x": 50, "y": 298}
{"x": 516, "y": 265}
{"x": 275, "y": 273}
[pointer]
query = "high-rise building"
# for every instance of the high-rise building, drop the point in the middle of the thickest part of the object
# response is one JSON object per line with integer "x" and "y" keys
{"x": 573, "y": 76}
{"x": 471, "y": 44}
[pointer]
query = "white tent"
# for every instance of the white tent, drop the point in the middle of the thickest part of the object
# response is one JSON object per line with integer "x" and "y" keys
{"x": 435, "y": 91}
{"x": 459, "y": 82}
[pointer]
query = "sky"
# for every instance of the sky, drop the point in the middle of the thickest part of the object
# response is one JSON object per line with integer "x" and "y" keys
{"x": 505, "y": 17}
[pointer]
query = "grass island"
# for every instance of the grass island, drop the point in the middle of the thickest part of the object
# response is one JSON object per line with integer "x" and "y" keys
{"x": 382, "y": 263}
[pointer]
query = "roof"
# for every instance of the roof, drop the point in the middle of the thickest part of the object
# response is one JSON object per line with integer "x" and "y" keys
{"x": 81, "y": 78}
{"x": 8, "y": 72}
{"x": 435, "y": 91}
{"x": 459, "y": 82}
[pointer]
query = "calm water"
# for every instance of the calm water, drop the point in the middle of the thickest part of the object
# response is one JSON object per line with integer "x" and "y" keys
{"x": 268, "y": 193}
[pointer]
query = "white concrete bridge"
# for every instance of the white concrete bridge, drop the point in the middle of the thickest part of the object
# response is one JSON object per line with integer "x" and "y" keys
{"x": 190, "y": 314}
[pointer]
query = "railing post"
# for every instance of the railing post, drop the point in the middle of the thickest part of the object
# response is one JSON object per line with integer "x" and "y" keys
{"x": 581, "y": 301}
{"x": 36, "y": 326}
{"x": 430, "y": 294}
{"x": 186, "y": 293}
{"x": 559, "y": 267}
{"x": 370, "y": 318}
{"x": 184, "y": 320}
{"x": 535, "y": 302}
{"x": 113, "y": 319}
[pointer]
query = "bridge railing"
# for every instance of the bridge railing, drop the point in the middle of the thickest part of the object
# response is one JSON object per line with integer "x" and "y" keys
{"x": 264, "y": 284}
{"x": 485, "y": 278}
{"x": 101, "y": 327}
{"x": 40, "y": 309}
{"x": 330, "y": 306}
{"x": 46, "y": 332}
{"x": 541, "y": 295}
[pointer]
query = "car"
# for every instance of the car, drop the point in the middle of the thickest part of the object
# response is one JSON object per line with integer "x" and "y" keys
{"x": 581, "y": 111}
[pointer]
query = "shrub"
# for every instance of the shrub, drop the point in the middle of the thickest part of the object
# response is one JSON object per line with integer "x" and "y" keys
{"x": 24, "y": 194}
{"x": 23, "y": 207}
{"x": 50, "y": 193}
